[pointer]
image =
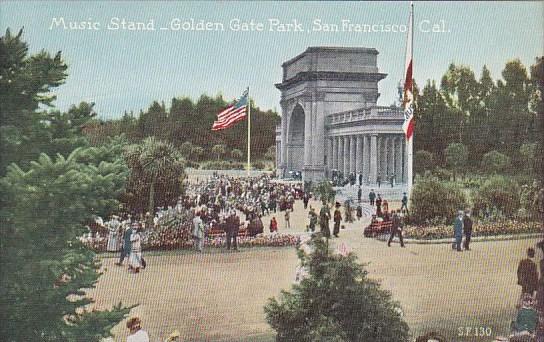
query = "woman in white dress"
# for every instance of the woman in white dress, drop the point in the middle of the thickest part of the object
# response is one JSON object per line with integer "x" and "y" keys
{"x": 135, "y": 259}
{"x": 113, "y": 227}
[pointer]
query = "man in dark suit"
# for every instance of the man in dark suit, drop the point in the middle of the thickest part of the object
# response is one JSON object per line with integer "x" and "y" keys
{"x": 232, "y": 225}
{"x": 396, "y": 228}
{"x": 127, "y": 245}
{"x": 337, "y": 220}
{"x": 528, "y": 274}
{"x": 372, "y": 197}
{"x": 359, "y": 194}
{"x": 467, "y": 229}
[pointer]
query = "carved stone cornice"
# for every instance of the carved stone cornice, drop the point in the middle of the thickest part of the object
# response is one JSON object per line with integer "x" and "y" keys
{"x": 306, "y": 76}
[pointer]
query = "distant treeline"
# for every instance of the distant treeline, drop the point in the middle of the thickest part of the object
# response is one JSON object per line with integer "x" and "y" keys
{"x": 483, "y": 114}
{"x": 187, "y": 121}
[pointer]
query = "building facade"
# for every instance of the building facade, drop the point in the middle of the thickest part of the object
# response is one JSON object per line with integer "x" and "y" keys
{"x": 330, "y": 119}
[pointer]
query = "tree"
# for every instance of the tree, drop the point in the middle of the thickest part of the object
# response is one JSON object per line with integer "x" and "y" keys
{"x": 26, "y": 83}
{"x": 335, "y": 302}
{"x": 537, "y": 78}
{"x": 423, "y": 161}
{"x": 325, "y": 191}
{"x": 528, "y": 156}
{"x": 45, "y": 268}
{"x": 456, "y": 157}
{"x": 433, "y": 127}
{"x": 197, "y": 153}
{"x": 271, "y": 153}
{"x": 498, "y": 193}
{"x": 154, "y": 165}
{"x": 495, "y": 162}
{"x": 236, "y": 154}
{"x": 433, "y": 199}
{"x": 219, "y": 150}
{"x": 186, "y": 149}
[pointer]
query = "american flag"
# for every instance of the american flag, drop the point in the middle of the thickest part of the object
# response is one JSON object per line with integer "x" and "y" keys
{"x": 232, "y": 114}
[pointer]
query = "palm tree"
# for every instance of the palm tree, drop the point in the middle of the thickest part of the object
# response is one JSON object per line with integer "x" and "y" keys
{"x": 155, "y": 159}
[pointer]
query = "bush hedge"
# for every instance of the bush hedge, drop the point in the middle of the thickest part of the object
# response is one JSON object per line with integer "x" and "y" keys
{"x": 442, "y": 231}
{"x": 432, "y": 199}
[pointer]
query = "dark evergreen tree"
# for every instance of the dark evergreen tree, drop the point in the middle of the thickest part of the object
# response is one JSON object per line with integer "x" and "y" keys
{"x": 335, "y": 302}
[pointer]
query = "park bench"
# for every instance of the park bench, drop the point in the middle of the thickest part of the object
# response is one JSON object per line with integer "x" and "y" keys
{"x": 215, "y": 233}
{"x": 377, "y": 228}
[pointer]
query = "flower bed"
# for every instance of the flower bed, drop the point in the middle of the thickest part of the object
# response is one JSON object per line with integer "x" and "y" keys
{"x": 170, "y": 239}
{"x": 510, "y": 227}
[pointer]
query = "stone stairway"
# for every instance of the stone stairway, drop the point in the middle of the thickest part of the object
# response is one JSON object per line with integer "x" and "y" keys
{"x": 386, "y": 191}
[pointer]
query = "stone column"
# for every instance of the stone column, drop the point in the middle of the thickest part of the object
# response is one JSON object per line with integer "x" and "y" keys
{"x": 346, "y": 156}
{"x": 373, "y": 158}
{"x": 340, "y": 154}
{"x": 393, "y": 158}
{"x": 284, "y": 142}
{"x": 352, "y": 154}
{"x": 307, "y": 137}
{"x": 387, "y": 158}
{"x": 404, "y": 162}
{"x": 334, "y": 152}
{"x": 329, "y": 156}
{"x": 318, "y": 136}
{"x": 358, "y": 155}
{"x": 379, "y": 159}
{"x": 366, "y": 157}
{"x": 399, "y": 158}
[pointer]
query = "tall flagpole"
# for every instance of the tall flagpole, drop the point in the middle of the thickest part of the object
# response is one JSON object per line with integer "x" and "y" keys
{"x": 410, "y": 142}
{"x": 248, "y": 133}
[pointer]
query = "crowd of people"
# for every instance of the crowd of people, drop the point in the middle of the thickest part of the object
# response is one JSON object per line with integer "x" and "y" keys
{"x": 219, "y": 203}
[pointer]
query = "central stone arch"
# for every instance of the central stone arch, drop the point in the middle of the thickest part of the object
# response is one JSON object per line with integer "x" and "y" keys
{"x": 317, "y": 84}
{"x": 296, "y": 139}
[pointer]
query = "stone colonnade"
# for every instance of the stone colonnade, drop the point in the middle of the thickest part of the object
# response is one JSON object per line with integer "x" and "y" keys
{"x": 373, "y": 155}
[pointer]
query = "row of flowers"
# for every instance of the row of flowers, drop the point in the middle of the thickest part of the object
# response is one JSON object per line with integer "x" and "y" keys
{"x": 510, "y": 227}
{"x": 165, "y": 241}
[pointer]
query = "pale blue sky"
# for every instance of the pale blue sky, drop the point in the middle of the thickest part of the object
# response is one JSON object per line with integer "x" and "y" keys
{"x": 127, "y": 70}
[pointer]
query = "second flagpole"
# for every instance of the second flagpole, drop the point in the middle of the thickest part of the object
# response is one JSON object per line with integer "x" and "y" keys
{"x": 248, "y": 133}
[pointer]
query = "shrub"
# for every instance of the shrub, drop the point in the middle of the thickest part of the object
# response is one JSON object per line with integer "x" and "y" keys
{"x": 259, "y": 165}
{"x": 336, "y": 301}
{"x": 442, "y": 174}
{"x": 236, "y": 154}
{"x": 222, "y": 165}
{"x": 423, "y": 161}
{"x": 433, "y": 200}
{"x": 500, "y": 194}
{"x": 495, "y": 162}
{"x": 456, "y": 157}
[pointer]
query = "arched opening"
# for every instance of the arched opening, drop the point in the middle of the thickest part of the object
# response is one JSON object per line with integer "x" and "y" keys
{"x": 296, "y": 140}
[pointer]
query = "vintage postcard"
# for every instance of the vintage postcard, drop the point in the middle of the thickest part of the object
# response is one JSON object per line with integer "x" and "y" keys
{"x": 271, "y": 171}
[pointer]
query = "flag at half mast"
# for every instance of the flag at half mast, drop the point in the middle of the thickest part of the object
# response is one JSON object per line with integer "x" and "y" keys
{"x": 408, "y": 98}
{"x": 229, "y": 116}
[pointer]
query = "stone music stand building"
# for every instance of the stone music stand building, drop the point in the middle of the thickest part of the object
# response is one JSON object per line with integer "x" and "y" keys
{"x": 330, "y": 120}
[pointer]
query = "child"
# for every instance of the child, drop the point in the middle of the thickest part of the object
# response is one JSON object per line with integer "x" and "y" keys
{"x": 273, "y": 225}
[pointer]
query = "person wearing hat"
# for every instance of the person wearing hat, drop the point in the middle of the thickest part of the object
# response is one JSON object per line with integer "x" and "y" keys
{"x": 137, "y": 334}
{"x": 458, "y": 231}
{"x": 404, "y": 202}
{"x": 324, "y": 217}
{"x": 127, "y": 245}
{"x": 337, "y": 219}
{"x": 467, "y": 229}
{"x": 113, "y": 226}
{"x": 135, "y": 261}
{"x": 173, "y": 337}
{"x": 198, "y": 232}
{"x": 396, "y": 228}
{"x": 528, "y": 274}
{"x": 372, "y": 197}
{"x": 233, "y": 225}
